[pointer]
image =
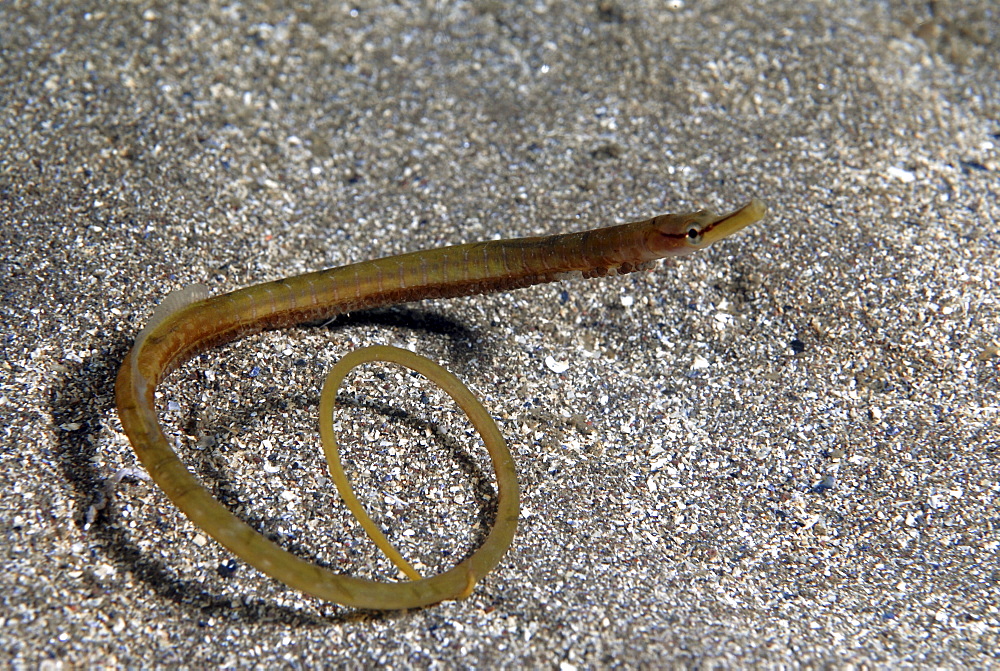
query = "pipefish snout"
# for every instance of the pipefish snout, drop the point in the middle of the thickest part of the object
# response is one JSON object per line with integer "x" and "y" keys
{"x": 188, "y": 321}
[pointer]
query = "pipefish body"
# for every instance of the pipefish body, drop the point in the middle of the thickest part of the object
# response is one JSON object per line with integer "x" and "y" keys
{"x": 188, "y": 321}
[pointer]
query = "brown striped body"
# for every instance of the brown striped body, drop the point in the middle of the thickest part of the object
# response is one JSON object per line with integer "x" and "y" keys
{"x": 179, "y": 330}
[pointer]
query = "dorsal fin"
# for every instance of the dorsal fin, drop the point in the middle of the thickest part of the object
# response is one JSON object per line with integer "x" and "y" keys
{"x": 174, "y": 301}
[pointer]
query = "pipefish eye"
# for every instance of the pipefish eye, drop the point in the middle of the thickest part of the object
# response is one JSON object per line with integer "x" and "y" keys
{"x": 693, "y": 233}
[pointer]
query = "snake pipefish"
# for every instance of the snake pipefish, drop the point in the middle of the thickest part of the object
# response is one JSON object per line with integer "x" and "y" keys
{"x": 188, "y": 321}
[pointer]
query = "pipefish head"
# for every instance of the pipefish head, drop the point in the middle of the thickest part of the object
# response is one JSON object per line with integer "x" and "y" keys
{"x": 684, "y": 233}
